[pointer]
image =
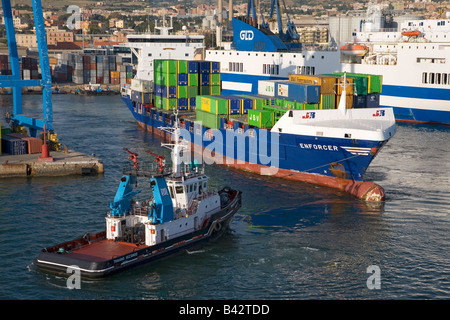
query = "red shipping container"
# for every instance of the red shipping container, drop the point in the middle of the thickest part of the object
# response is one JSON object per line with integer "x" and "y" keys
{"x": 34, "y": 144}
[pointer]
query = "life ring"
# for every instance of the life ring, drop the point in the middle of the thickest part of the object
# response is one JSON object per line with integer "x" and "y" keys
{"x": 217, "y": 226}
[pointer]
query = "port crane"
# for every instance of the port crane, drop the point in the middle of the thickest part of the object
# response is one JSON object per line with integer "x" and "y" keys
{"x": 15, "y": 81}
{"x": 277, "y": 7}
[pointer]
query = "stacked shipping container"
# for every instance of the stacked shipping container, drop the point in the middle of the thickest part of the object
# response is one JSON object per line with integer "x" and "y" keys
{"x": 94, "y": 69}
{"x": 16, "y": 143}
{"x": 366, "y": 89}
{"x": 179, "y": 82}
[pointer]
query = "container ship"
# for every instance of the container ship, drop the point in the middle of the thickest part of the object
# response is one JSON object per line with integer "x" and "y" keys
{"x": 296, "y": 130}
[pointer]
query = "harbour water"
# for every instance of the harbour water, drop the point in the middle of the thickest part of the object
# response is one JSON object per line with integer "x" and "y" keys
{"x": 289, "y": 240}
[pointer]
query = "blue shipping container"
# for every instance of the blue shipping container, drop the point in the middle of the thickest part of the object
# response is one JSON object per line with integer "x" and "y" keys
{"x": 171, "y": 92}
{"x": 204, "y": 79}
{"x": 13, "y": 146}
{"x": 215, "y": 67}
{"x": 359, "y": 101}
{"x": 182, "y": 79}
{"x": 298, "y": 92}
{"x": 373, "y": 100}
{"x": 204, "y": 67}
{"x": 182, "y": 102}
{"x": 193, "y": 66}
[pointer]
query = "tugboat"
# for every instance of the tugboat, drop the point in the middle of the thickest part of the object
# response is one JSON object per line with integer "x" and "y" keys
{"x": 181, "y": 214}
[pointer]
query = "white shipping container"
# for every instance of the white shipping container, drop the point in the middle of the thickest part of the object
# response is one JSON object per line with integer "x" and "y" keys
{"x": 141, "y": 85}
{"x": 266, "y": 87}
{"x": 282, "y": 90}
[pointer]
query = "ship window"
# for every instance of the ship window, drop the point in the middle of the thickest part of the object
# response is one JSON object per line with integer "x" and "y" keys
{"x": 179, "y": 189}
{"x": 444, "y": 78}
{"x": 190, "y": 188}
{"x": 424, "y": 77}
{"x": 438, "y": 78}
{"x": 431, "y": 77}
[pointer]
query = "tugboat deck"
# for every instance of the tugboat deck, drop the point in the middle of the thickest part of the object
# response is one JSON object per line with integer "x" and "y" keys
{"x": 104, "y": 250}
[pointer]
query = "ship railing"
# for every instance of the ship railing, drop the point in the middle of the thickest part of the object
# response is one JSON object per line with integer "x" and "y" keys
{"x": 140, "y": 211}
{"x": 150, "y": 170}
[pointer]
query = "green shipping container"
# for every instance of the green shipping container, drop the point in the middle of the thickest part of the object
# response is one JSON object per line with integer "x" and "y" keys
{"x": 215, "y": 90}
{"x": 158, "y": 102}
{"x": 261, "y": 118}
{"x": 221, "y": 106}
{"x": 192, "y": 79}
{"x": 198, "y": 102}
{"x": 361, "y": 82}
{"x": 192, "y": 91}
{"x": 207, "y": 119}
{"x": 375, "y": 83}
{"x": 166, "y": 79}
{"x": 169, "y": 103}
{"x": 327, "y": 101}
{"x": 290, "y": 104}
{"x": 182, "y": 91}
{"x": 311, "y": 106}
{"x": 279, "y": 102}
{"x": 169, "y": 66}
{"x": 299, "y": 106}
{"x": 205, "y": 90}
{"x": 214, "y": 79}
{"x": 182, "y": 66}
{"x": 157, "y": 65}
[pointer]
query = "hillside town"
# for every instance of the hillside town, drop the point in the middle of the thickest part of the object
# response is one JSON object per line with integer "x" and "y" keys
{"x": 103, "y": 23}
{"x": 97, "y": 27}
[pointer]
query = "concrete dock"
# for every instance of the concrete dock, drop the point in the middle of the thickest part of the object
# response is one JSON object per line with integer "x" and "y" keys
{"x": 64, "y": 163}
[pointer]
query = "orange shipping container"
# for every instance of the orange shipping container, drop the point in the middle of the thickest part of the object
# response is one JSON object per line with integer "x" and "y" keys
{"x": 350, "y": 88}
{"x": 34, "y": 144}
{"x": 326, "y": 83}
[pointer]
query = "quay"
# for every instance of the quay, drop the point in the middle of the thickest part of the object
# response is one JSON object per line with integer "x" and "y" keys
{"x": 62, "y": 163}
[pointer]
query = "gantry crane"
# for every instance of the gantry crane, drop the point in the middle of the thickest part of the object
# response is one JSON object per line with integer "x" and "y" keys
{"x": 291, "y": 33}
{"x": 15, "y": 80}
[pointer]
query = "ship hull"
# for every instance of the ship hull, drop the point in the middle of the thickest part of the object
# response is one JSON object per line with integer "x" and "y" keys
{"x": 98, "y": 257}
{"x": 330, "y": 162}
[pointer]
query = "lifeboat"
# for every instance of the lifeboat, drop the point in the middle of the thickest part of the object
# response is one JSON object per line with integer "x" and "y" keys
{"x": 410, "y": 33}
{"x": 353, "y": 49}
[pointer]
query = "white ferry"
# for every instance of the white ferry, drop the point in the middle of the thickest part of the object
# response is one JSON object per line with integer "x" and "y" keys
{"x": 414, "y": 62}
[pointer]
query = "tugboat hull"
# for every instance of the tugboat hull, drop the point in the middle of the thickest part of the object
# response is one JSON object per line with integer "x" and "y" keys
{"x": 97, "y": 257}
